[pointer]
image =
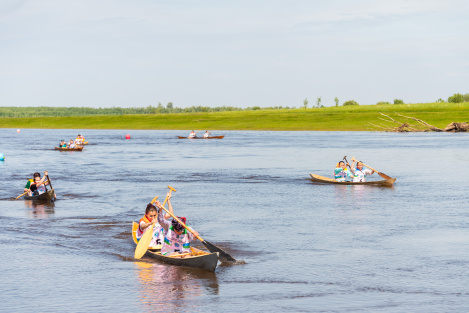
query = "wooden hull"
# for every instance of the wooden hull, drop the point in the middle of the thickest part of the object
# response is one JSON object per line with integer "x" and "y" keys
{"x": 134, "y": 237}
{"x": 206, "y": 261}
{"x": 212, "y": 137}
{"x": 326, "y": 180}
{"x": 46, "y": 196}
{"x": 69, "y": 149}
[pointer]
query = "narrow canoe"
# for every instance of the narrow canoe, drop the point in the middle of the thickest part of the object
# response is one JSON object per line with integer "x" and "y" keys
{"x": 203, "y": 260}
{"x": 326, "y": 180}
{"x": 46, "y": 196}
{"x": 134, "y": 237}
{"x": 69, "y": 149}
{"x": 211, "y": 137}
{"x": 83, "y": 143}
{"x": 200, "y": 259}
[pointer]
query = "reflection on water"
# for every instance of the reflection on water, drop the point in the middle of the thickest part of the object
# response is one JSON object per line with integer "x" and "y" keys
{"x": 174, "y": 287}
{"x": 40, "y": 209}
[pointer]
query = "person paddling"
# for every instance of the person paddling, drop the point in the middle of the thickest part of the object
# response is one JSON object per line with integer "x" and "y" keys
{"x": 177, "y": 239}
{"x": 192, "y": 134}
{"x": 71, "y": 144}
{"x": 37, "y": 186}
{"x": 360, "y": 173}
{"x": 341, "y": 173}
{"x": 207, "y": 134}
{"x": 150, "y": 218}
{"x": 63, "y": 144}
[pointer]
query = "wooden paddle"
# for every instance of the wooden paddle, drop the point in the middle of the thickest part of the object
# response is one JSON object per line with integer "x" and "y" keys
{"x": 144, "y": 242}
{"x": 222, "y": 255}
{"x": 346, "y": 162}
{"x": 379, "y": 173}
{"x": 21, "y": 195}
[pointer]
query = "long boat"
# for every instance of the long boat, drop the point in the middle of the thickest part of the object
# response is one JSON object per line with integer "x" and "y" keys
{"x": 83, "y": 143}
{"x": 46, "y": 196}
{"x": 326, "y": 180}
{"x": 196, "y": 259}
{"x": 69, "y": 149}
{"x": 211, "y": 137}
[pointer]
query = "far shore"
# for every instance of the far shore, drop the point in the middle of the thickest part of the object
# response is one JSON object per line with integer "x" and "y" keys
{"x": 348, "y": 118}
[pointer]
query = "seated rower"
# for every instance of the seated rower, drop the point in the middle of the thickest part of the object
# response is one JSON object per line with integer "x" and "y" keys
{"x": 71, "y": 144}
{"x": 63, "y": 144}
{"x": 177, "y": 239}
{"x": 207, "y": 134}
{"x": 192, "y": 134}
{"x": 341, "y": 173}
{"x": 359, "y": 173}
{"x": 38, "y": 186}
{"x": 150, "y": 218}
{"x": 27, "y": 188}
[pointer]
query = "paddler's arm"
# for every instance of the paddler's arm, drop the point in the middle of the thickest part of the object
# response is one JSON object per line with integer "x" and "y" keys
{"x": 161, "y": 220}
{"x": 170, "y": 207}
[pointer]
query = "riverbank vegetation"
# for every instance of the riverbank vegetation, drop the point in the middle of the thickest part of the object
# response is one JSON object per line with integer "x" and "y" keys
{"x": 341, "y": 118}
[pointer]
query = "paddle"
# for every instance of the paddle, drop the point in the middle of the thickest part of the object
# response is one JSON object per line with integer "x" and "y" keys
{"x": 379, "y": 173}
{"x": 21, "y": 195}
{"x": 346, "y": 162}
{"x": 222, "y": 255}
{"x": 144, "y": 242}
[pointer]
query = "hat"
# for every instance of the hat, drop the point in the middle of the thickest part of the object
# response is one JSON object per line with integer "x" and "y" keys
{"x": 176, "y": 225}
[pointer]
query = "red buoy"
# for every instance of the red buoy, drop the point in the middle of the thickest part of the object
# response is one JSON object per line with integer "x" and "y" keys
{"x": 127, "y": 136}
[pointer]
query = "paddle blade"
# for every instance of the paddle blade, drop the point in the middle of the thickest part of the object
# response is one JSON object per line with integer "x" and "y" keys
{"x": 144, "y": 243}
{"x": 384, "y": 175}
{"x": 222, "y": 255}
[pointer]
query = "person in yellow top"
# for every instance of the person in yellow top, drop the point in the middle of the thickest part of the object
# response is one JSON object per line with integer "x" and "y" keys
{"x": 79, "y": 140}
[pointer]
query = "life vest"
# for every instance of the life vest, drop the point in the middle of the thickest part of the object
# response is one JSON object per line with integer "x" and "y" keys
{"x": 157, "y": 237}
{"x": 340, "y": 173}
{"x": 176, "y": 243}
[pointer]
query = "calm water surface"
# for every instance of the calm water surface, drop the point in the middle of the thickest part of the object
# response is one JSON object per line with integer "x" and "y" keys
{"x": 307, "y": 247}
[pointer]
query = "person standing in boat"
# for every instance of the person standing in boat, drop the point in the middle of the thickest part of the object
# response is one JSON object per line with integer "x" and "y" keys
{"x": 150, "y": 218}
{"x": 360, "y": 173}
{"x": 192, "y": 134}
{"x": 177, "y": 239}
{"x": 341, "y": 173}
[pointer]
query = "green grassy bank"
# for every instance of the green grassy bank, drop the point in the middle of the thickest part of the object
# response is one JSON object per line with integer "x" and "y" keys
{"x": 348, "y": 118}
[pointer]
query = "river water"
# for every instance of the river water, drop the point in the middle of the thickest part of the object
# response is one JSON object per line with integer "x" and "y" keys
{"x": 307, "y": 247}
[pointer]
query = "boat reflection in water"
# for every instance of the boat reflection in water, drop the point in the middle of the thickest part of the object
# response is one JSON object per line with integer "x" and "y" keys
{"x": 40, "y": 209}
{"x": 173, "y": 287}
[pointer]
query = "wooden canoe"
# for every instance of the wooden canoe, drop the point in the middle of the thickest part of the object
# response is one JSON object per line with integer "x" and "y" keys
{"x": 69, "y": 149}
{"x": 46, "y": 196}
{"x": 200, "y": 259}
{"x": 203, "y": 260}
{"x": 211, "y": 137}
{"x": 326, "y": 180}
{"x": 134, "y": 237}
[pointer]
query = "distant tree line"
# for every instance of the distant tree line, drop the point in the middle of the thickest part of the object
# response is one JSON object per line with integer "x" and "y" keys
{"x": 81, "y": 111}
{"x": 170, "y": 108}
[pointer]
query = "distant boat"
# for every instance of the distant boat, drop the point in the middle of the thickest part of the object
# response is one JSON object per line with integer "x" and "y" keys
{"x": 211, "y": 137}
{"x": 69, "y": 149}
{"x": 326, "y": 180}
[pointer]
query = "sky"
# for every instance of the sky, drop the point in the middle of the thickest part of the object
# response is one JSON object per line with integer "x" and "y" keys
{"x": 120, "y": 53}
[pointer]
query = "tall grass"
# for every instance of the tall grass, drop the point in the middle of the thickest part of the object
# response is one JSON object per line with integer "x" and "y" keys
{"x": 345, "y": 118}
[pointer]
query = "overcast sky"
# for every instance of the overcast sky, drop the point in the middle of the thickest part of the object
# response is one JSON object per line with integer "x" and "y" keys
{"x": 104, "y": 53}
